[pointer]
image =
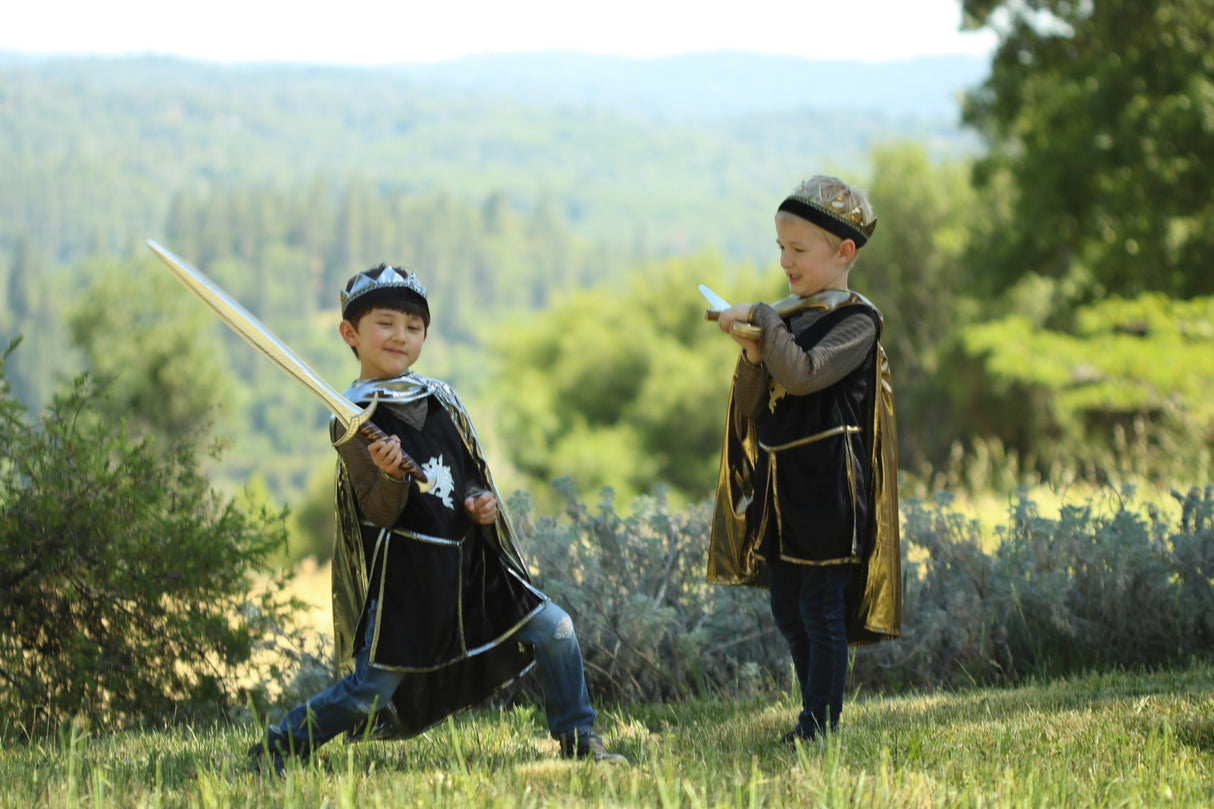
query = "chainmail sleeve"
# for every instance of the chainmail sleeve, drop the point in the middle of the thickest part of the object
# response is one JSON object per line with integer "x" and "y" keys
{"x": 802, "y": 372}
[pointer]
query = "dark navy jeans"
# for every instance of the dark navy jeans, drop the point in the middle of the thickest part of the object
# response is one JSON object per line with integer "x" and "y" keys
{"x": 807, "y": 604}
{"x": 352, "y": 698}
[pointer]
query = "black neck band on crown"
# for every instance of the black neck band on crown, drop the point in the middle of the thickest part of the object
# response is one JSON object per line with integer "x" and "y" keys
{"x": 824, "y": 220}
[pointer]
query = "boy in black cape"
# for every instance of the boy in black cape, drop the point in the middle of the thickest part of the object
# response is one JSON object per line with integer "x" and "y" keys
{"x": 433, "y": 606}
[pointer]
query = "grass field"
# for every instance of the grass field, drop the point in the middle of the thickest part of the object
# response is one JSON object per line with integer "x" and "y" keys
{"x": 1101, "y": 740}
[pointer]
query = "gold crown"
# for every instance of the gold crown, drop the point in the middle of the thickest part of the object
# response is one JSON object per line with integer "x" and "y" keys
{"x": 824, "y": 201}
{"x": 388, "y": 278}
{"x": 837, "y": 208}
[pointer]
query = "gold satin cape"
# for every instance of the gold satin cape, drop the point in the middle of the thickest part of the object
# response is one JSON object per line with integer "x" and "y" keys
{"x": 874, "y": 601}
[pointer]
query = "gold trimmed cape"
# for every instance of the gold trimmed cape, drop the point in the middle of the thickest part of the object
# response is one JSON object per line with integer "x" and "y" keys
{"x": 874, "y": 606}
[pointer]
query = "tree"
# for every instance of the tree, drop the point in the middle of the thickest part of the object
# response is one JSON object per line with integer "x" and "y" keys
{"x": 1102, "y": 114}
{"x": 914, "y": 270}
{"x": 33, "y": 294}
{"x": 129, "y": 590}
{"x": 1096, "y": 398}
{"x": 146, "y": 337}
{"x": 621, "y": 387}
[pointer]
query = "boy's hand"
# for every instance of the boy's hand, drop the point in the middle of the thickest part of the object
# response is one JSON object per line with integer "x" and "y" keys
{"x": 740, "y": 313}
{"x": 387, "y": 455}
{"x": 482, "y": 508}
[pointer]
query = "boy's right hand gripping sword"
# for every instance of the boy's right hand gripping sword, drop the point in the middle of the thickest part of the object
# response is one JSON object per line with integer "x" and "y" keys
{"x": 719, "y": 304}
{"x": 354, "y": 419}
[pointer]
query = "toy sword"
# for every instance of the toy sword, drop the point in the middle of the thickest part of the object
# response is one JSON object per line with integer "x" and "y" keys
{"x": 745, "y": 330}
{"x": 353, "y": 419}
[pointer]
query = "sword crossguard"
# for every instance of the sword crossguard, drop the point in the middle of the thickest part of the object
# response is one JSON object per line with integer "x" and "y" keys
{"x": 356, "y": 423}
{"x": 746, "y": 331}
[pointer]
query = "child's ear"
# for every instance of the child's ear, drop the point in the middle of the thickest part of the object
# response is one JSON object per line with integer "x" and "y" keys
{"x": 847, "y": 250}
{"x": 348, "y": 333}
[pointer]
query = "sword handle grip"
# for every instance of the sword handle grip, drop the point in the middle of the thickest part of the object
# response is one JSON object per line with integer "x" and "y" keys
{"x": 744, "y": 330}
{"x": 371, "y": 434}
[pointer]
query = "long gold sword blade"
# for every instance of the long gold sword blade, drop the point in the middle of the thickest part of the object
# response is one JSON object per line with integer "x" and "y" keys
{"x": 351, "y": 417}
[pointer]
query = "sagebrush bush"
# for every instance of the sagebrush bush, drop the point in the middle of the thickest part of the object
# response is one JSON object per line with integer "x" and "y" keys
{"x": 650, "y": 626}
{"x": 130, "y": 592}
{"x": 1131, "y": 586}
{"x": 1096, "y": 588}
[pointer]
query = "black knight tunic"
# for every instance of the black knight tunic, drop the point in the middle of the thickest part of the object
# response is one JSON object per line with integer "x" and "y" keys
{"x": 449, "y": 595}
{"x": 813, "y": 480}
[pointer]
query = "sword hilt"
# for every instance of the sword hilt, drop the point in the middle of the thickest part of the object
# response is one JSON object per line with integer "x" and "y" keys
{"x": 370, "y": 433}
{"x": 360, "y": 424}
{"x": 744, "y": 330}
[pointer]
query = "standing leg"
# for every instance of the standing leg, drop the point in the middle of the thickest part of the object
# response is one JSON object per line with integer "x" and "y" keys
{"x": 566, "y": 700}
{"x": 824, "y": 616}
{"x": 785, "y": 594}
{"x": 559, "y": 657}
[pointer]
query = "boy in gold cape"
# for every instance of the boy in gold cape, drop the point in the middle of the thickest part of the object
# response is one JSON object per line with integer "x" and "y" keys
{"x": 806, "y": 501}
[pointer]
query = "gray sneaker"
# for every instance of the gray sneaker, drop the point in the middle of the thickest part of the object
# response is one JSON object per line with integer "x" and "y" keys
{"x": 589, "y": 745}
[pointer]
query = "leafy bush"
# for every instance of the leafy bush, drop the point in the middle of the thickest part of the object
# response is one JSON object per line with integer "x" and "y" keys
{"x": 1090, "y": 392}
{"x": 1093, "y": 589}
{"x": 651, "y": 628}
{"x": 129, "y": 590}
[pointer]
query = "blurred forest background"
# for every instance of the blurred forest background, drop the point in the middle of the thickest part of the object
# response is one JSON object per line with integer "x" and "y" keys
{"x": 1041, "y": 258}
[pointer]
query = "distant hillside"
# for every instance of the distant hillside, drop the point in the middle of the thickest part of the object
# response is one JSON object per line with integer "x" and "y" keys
{"x": 718, "y": 85}
{"x": 668, "y": 155}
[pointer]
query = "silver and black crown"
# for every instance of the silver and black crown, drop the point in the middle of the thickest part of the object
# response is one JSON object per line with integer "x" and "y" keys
{"x": 388, "y": 278}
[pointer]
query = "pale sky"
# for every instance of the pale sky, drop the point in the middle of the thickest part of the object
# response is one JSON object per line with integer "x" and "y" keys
{"x": 379, "y": 32}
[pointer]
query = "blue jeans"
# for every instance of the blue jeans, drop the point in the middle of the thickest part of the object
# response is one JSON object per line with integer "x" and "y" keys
{"x": 354, "y": 697}
{"x": 807, "y": 604}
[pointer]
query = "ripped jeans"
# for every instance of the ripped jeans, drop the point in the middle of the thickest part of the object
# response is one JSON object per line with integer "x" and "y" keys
{"x": 344, "y": 704}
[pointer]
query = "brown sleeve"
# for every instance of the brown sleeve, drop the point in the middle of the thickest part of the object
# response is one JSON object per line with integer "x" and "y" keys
{"x": 836, "y": 355}
{"x": 380, "y": 498}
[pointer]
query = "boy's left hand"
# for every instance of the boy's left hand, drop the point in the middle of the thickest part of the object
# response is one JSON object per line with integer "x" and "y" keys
{"x": 482, "y": 508}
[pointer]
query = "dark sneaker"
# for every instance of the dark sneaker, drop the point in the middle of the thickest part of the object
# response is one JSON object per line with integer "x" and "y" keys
{"x": 273, "y": 752}
{"x": 796, "y": 735}
{"x": 588, "y": 745}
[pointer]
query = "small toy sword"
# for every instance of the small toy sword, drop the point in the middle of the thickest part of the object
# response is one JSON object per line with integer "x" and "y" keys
{"x": 353, "y": 419}
{"x": 745, "y": 330}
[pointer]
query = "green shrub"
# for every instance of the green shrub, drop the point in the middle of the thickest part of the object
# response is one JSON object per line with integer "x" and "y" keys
{"x": 130, "y": 592}
{"x": 1096, "y": 588}
{"x": 651, "y": 628}
{"x": 1126, "y": 587}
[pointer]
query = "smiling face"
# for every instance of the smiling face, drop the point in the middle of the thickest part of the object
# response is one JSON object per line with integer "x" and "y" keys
{"x": 387, "y": 341}
{"x": 811, "y": 261}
